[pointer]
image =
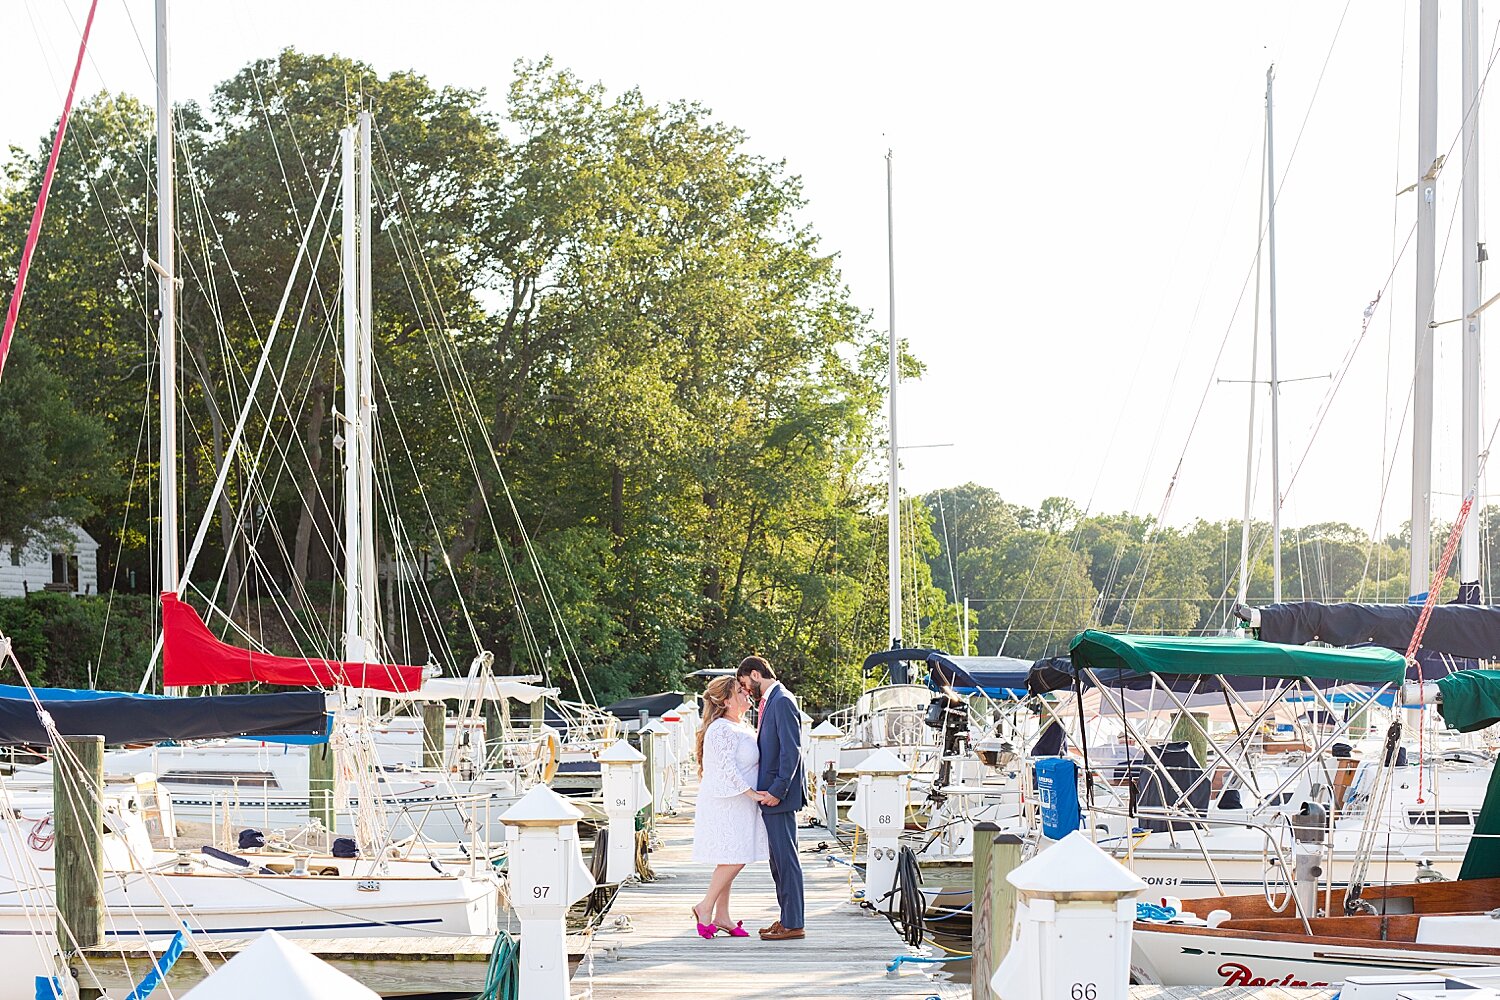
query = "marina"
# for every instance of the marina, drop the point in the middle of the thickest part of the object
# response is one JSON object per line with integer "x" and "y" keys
{"x": 487, "y": 536}
{"x": 646, "y": 946}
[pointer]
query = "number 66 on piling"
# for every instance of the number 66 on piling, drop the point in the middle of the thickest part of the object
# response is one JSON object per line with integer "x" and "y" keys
{"x": 1074, "y": 920}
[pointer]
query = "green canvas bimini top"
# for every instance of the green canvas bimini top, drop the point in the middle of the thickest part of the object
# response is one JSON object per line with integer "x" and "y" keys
{"x": 1471, "y": 699}
{"x": 1233, "y": 656}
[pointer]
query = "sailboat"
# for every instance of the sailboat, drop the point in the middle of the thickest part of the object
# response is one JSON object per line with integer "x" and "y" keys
{"x": 1336, "y": 933}
{"x": 889, "y": 714}
{"x": 453, "y": 792}
{"x": 148, "y": 890}
{"x": 1399, "y": 927}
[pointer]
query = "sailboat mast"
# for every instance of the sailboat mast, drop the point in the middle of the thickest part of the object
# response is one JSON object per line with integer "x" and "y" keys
{"x": 1421, "y": 441}
{"x": 1260, "y": 223}
{"x": 1468, "y": 554}
{"x": 369, "y": 589}
{"x": 353, "y": 566}
{"x": 166, "y": 338}
{"x": 893, "y": 527}
{"x": 1271, "y": 316}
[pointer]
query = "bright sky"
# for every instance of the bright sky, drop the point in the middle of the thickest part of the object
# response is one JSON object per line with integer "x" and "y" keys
{"x": 1076, "y": 199}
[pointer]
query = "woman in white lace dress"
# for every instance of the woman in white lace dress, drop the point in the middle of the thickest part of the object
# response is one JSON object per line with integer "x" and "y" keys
{"x": 729, "y": 831}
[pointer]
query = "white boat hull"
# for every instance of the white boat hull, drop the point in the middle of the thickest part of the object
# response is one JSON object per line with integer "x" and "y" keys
{"x": 1176, "y": 959}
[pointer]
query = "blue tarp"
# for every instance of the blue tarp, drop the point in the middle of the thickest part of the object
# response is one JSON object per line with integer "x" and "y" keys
{"x": 159, "y": 969}
{"x": 46, "y": 694}
{"x": 133, "y": 718}
{"x": 1350, "y": 698}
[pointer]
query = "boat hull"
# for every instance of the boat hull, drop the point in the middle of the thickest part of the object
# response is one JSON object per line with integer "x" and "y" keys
{"x": 1192, "y": 957}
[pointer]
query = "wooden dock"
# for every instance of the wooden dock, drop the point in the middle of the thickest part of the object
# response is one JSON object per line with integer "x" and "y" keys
{"x": 389, "y": 966}
{"x": 647, "y": 946}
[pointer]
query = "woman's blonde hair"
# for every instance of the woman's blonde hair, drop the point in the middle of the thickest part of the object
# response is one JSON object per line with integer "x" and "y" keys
{"x": 715, "y": 705}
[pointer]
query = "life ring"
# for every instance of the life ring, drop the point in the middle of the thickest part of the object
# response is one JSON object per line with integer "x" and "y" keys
{"x": 554, "y": 754}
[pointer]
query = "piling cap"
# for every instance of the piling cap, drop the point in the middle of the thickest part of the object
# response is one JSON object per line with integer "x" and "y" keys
{"x": 1075, "y": 867}
{"x": 826, "y": 728}
{"x": 654, "y": 726}
{"x": 621, "y": 752}
{"x": 274, "y": 966}
{"x": 541, "y": 807}
{"x": 882, "y": 761}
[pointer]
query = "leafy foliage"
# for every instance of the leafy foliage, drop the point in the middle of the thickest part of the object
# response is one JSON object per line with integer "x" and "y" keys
{"x": 626, "y": 405}
{"x": 627, "y": 411}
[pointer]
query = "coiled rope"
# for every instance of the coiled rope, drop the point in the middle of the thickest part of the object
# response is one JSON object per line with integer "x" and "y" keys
{"x": 604, "y": 893}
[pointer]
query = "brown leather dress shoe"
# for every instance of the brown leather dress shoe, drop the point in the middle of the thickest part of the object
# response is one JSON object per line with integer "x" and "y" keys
{"x": 780, "y": 933}
{"x": 775, "y": 926}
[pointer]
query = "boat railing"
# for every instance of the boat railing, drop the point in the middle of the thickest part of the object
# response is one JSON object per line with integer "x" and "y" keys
{"x": 1273, "y": 855}
{"x": 1236, "y": 755}
{"x": 843, "y": 718}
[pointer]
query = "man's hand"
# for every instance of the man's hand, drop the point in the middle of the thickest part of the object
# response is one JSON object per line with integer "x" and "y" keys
{"x": 769, "y": 800}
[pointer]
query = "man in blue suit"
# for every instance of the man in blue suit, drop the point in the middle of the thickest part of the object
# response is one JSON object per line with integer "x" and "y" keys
{"x": 783, "y": 781}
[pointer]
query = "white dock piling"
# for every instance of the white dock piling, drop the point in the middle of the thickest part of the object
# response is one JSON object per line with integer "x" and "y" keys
{"x": 1073, "y": 926}
{"x": 880, "y": 810}
{"x": 826, "y": 741}
{"x": 547, "y": 875}
{"x": 663, "y": 761}
{"x": 624, "y": 786}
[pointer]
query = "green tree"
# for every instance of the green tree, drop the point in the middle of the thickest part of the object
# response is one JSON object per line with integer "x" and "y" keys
{"x": 58, "y": 462}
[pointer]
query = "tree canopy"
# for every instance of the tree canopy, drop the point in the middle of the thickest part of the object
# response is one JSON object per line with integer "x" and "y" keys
{"x": 629, "y": 418}
{"x": 626, "y": 408}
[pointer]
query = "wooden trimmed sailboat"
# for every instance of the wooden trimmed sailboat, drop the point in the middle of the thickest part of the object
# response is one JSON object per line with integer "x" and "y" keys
{"x": 1336, "y": 933}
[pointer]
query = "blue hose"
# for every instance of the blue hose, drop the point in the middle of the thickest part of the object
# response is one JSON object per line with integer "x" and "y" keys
{"x": 901, "y": 960}
{"x": 951, "y": 914}
{"x": 502, "y": 980}
{"x": 1150, "y": 911}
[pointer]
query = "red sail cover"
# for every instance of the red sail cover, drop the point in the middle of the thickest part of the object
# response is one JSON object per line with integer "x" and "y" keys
{"x": 192, "y": 655}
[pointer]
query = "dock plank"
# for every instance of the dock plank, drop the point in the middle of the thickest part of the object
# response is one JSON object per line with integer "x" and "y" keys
{"x": 647, "y": 945}
{"x": 389, "y": 966}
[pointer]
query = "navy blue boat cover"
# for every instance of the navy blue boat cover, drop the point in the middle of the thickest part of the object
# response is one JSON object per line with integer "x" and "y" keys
{"x": 996, "y": 676}
{"x": 1456, "y": 630}
{"x": 656, "y": 705}
{"x": 896, "y": 660}
{"x": 139, "y": 718}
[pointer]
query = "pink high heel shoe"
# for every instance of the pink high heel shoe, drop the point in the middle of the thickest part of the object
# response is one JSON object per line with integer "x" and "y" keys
{"x": 738, "y": 930}
{"x": 705, "y": 931}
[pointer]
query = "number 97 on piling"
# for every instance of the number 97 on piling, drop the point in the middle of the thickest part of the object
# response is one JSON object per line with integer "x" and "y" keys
{"x": 547, "y": 875}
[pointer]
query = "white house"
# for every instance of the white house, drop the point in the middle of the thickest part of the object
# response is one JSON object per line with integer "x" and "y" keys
{"x": 69, "y": 565}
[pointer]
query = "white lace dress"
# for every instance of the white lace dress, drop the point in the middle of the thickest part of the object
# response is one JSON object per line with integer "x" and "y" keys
{"x": 729, "y": 829}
